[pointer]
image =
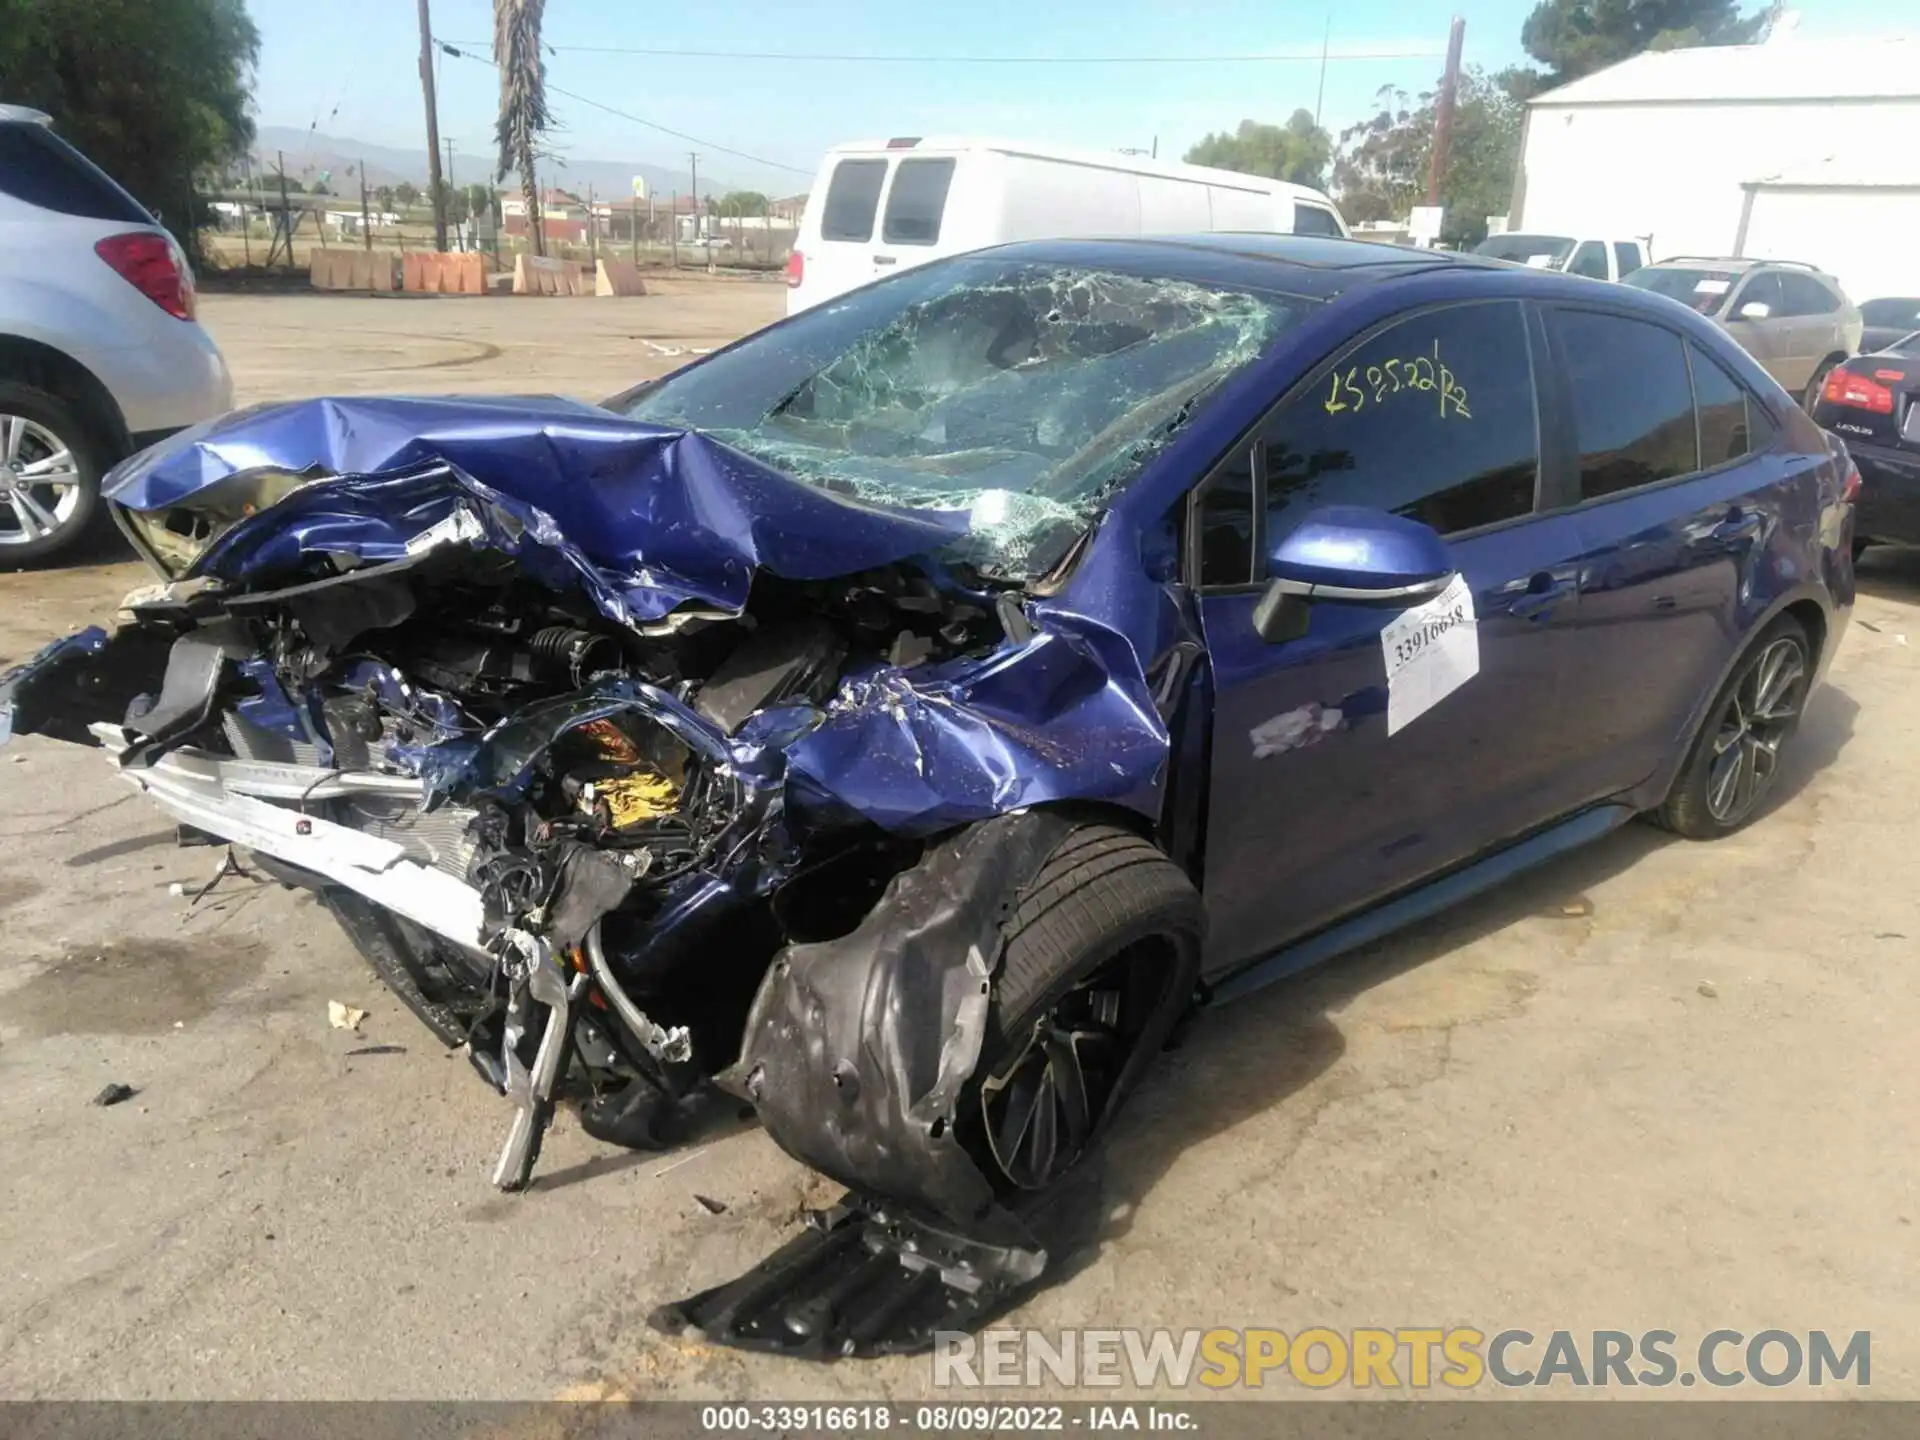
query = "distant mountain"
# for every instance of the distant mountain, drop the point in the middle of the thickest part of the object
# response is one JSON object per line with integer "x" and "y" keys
{"x": 309, "y": 154}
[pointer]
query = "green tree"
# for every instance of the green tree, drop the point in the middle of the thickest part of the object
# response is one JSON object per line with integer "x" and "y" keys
{"x": 1382, "y": 170}
{"x": 383, "y": 196}
{"x": 406, "y": 194}
{"x": 740, "y": 202}
{"x": 155, "y": 91}
{"x": 524, "y": 116}
{"x": 1571, "y": 38}
{"x": 1298, "y": 151}
{"x": 320, "y": 188}
{"x": 479, "y": 199}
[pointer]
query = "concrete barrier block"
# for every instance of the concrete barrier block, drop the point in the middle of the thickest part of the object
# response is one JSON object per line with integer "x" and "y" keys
{"x": 618, "y": 277}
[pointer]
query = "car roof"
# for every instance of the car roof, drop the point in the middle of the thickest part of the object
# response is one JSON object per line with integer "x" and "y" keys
{"x": 1319, "y": 267}
{"x": 1737, "y": 263}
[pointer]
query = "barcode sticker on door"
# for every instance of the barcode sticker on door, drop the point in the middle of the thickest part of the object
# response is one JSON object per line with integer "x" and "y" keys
{"x": 1431, "y": 651}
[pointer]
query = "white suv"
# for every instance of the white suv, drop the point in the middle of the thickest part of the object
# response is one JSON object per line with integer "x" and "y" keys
{"x": 99, "y": 351}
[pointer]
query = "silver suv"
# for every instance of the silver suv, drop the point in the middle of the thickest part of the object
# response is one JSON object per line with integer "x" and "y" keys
{"x": 99, "y": 352}
{"x": 1795, "y": 320}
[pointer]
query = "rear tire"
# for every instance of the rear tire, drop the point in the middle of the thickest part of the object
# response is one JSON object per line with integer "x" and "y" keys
{"x": 50, "y": 470}
{"x": 1731, "y": 768}
{"x": 1102, "y": 955}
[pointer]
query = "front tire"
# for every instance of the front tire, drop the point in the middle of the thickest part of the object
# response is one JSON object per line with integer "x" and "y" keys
{"x": 50, "y": 470}
{"x": 1735, "y": 759}
{"x": 1102, "y": 955}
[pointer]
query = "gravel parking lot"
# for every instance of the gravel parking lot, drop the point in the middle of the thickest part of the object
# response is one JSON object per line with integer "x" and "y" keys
{"x": 1654, "y": 1085}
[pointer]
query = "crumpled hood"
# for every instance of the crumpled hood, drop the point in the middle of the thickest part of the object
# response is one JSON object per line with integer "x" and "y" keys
{"x": 654, "y": 509}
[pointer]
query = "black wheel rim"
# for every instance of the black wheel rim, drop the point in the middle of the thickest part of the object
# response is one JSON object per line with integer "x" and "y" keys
{"x": 1759, "y": 715}
{"x": 1040, "y": 1112}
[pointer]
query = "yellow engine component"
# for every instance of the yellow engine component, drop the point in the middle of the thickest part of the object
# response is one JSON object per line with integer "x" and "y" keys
{"x": 645, "y": 794}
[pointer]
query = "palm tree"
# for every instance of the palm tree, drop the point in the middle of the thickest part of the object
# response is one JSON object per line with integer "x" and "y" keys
{"x": 524, "y": 116}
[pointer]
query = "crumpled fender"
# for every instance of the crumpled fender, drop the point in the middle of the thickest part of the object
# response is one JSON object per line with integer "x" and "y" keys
{"x": 856, "y": 1050}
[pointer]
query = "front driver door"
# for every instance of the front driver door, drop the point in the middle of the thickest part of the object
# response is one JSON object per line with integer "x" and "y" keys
{"x": 1314, "y": 809}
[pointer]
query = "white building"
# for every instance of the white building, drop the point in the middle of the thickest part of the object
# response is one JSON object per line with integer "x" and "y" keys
{"x": 1794, "y": 149}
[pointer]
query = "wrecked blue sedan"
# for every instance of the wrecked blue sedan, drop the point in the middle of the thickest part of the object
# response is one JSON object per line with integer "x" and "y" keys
{"x": 899, "y": 720}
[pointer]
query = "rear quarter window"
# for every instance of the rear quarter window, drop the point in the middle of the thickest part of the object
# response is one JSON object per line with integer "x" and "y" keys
{"x": 1314, "y": 220}
{"x": 38, "y": 167}
{"x": 852, "y": 197}
{"x": 916, "y": 202}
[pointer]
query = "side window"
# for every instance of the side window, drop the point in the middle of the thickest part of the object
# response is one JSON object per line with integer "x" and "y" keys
{"x": 1626, "y": 257}
{"x": 852, "y": 196}
{"x": 1431, "y": 418}
{"x": 1590, "y": 260}
{"x": 1806, "y": 296}
{"x": 1765, "y": 288}
{"x": 1226, "y": 524}
{"x": 916, "y": 202}
{"x": 1725, "y": 431}
{"x": 1314, "y": 220}
{"x": 1628, "y": 434}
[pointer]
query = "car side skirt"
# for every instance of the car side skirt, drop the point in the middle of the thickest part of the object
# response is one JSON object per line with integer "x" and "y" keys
{"x": 1428, "y": 899}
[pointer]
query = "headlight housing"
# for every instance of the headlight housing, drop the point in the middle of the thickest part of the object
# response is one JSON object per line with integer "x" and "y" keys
{"x": 172, "y": 539}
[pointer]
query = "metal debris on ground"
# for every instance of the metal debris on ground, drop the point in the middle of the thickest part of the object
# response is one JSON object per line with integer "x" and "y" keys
{"x": 344, "y": 1017}
{"x": 712, "y": 1207}
{"x": 114, "y": 1094}
{"x": 378, "y": 1050}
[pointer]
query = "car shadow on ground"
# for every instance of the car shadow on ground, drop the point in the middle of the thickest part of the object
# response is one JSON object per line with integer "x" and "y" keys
{"x": 1889, "y": 572}
{"x": 1240, "y": 1060}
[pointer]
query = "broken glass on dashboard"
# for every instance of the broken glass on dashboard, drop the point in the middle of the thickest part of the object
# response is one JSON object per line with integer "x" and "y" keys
{"x": 1022, "y": 393}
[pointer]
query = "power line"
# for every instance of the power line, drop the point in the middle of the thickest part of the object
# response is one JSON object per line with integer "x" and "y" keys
{"x": 454, "y": 50}
{"x": 1263, "y": 58}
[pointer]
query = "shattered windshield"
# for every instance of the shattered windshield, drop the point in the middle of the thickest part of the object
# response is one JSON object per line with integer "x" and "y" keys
{"x": 1021, "y": 392}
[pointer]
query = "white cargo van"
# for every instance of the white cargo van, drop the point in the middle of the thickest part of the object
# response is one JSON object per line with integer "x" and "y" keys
{"x": 878, "y": 207}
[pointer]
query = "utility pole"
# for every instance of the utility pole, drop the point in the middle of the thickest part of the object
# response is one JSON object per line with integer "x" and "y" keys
{"x": 434, "y": 187}
{"x": 1443, "y": 111}
{"x": 452, "y": 209}
{"x": 366, "y": 222}
{"x": 693, "y": 163}
{"x": 673, "y": 233}
{"x": 593, "y": 230}
{"x": 1320, "y": 95}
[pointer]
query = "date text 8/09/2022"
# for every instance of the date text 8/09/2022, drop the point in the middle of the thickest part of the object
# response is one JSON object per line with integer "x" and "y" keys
{"x": 943, "y": 1419}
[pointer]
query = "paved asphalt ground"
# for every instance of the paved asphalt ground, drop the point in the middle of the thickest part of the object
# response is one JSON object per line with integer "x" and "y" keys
{"x": 1656, "y": 1085}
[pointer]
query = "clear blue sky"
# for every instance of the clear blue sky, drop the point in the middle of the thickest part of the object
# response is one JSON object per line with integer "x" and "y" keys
{"x": 350, "y": 65}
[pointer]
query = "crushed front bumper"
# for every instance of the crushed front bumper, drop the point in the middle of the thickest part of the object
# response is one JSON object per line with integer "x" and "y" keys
{"x": 233, "y": 799}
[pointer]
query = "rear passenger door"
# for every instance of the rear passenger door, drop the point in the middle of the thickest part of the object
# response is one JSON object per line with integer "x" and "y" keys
{"x": 1768, "y": 338}
{"x": 1814, "y": 313}
{"x": 849, "y": 223}
{"x": 914, "y": 213}
{"x": 1670, "y": 517}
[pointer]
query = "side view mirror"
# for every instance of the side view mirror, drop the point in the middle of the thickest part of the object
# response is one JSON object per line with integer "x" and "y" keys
{"x": 1754, "y": 310}
{"x": 1354, "y": 556}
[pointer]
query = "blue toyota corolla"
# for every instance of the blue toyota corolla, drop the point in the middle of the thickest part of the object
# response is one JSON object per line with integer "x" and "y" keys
{"x": 902, "y": 718}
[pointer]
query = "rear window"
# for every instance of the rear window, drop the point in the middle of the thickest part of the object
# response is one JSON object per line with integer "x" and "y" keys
{"x": 1314, "y": 220}
{"x": 852, "y": 196}
{"x": 1626, "y": 256}
{"x": 1705, "y": 291}
{"x": 915, "y": 202}
{"x": 1547, "y": 252}
{"x": 37, "y": 166}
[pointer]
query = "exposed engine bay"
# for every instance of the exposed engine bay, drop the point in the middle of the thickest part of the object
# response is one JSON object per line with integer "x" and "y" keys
{"x": 626, "y": 803}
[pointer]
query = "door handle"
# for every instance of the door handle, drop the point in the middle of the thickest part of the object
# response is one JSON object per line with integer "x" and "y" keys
{"x": 1546, "y": 591}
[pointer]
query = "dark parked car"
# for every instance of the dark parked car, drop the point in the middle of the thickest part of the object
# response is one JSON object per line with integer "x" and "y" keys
{"x": 1888, "y": 321}
{"x": 1873, "y": 403}
{"x": 904, "y": 716}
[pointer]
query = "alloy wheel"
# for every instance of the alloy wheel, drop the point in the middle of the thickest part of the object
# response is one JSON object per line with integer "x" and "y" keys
{"x": 40, "y": 486}
{"x": 1760, "y": 714}
{"x": 1040, "y": 1113}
